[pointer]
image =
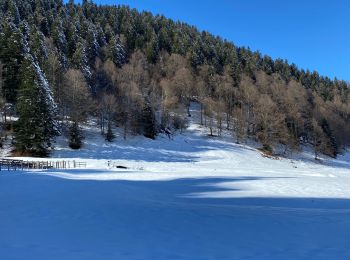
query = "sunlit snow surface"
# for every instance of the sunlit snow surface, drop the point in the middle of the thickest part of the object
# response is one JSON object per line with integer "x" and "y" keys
{"x": 193, "y": 197}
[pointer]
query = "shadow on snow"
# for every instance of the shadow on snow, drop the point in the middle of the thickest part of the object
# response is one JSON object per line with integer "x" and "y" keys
{"x": 42, "y": 215}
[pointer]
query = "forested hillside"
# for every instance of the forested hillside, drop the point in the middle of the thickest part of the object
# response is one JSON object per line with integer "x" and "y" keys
{"x": 63, "y": 63}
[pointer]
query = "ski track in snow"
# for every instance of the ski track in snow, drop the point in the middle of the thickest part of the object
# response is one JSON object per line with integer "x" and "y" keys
{"x": 192, "y": 197}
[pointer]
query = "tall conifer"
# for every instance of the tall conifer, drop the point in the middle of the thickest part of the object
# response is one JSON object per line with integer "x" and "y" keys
{"x": 35, "y": 127}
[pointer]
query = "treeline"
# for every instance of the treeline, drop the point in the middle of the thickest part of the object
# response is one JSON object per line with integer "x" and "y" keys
{"x": 62, "y": 63}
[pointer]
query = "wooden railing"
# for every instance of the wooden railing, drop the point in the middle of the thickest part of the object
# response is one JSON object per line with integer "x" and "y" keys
{"x": 12, "y": 164}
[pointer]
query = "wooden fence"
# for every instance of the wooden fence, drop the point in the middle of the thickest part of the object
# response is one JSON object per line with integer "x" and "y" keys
{"x": 11, "y": 164}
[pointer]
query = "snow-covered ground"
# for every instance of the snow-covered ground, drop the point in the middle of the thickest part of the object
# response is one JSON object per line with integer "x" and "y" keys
{"x": 192, "y": 197}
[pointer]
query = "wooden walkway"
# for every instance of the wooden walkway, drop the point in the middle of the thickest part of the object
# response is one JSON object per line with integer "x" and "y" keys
{"x": 14, "y": 165}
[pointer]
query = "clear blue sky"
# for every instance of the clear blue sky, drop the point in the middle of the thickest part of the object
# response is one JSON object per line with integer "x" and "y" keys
{"x": 314, "y": 34}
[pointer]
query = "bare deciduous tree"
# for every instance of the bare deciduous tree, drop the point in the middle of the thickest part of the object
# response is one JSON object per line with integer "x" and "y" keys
{"x": 240, "y": 124}
{"x": 107, "y": 108}
{"x": 271, "y": 128}
{"x": 76, "y": 96}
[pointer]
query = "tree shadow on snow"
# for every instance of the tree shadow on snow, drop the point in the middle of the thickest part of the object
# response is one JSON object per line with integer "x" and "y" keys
{"x": 170, "y": 219}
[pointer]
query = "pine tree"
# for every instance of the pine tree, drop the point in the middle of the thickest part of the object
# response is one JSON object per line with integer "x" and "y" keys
{"x": 333, "y": 147}
{"x": 13, "y": 11}
{"x": 35, "y": 127}
{"x": 110, "y": 135}
{"x": 149, "y": 122}
{"x": 36, "y": 44}
{"x": 115, "y": 51}
{"x": 318, "y": 138}
{"x": 80, "y": 60}
{"x": 75, "y": 136}
{"x": 11, "y": 48}
{"x": 152, "y": 49}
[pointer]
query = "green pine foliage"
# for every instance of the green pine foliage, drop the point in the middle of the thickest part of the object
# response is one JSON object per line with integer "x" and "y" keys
{"x": 149, "y": 122}
{"x": 35, "y": 128}
{"x": 75, "y": 136}
{"x": 11, "y": 49}
{"x": 333, "y": 146}
{"x": 110, "y": 136}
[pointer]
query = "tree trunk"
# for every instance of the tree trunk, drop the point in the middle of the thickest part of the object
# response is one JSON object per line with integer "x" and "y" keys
{"x": 124, "y": 132}
{"x": 227, "y": 120}
{"x": 201, "y": 113}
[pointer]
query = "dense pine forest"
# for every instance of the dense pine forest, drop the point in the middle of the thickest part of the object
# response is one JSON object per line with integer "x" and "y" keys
{"x": 61, "y": 64}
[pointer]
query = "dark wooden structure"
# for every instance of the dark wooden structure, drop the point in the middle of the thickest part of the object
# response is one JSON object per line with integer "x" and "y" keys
{"x": 13, "y": 164}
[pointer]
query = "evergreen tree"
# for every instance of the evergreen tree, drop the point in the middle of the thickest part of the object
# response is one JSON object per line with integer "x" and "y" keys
{"x": 58, "y": 37}
{"x": 333, "y": 142}
{"x": 80, "y": 60}
{"x": 75, "y": 136}
{"x": 115, "y": 52}
{"x": 36, "y": 44}
{"x": 152, "y": 49}
{"x": 92, "y": 45}
{"x": 13, "y": 12}
{"x": 11, "y": 49}
{"x": 149, "y": 122}
{"x": 110, "y": 135}
{"x": 35, "y": 127}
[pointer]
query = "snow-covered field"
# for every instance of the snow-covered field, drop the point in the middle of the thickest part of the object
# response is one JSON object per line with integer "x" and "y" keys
{"x": 192, "y": 197}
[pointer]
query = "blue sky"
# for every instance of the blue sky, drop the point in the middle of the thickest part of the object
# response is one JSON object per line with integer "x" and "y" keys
{"x": 313, "y": 34}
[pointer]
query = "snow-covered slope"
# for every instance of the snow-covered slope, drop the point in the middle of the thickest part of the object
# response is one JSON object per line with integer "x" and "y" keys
{"x": 190, "y": 197}
{"x": 196, "y": 155}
